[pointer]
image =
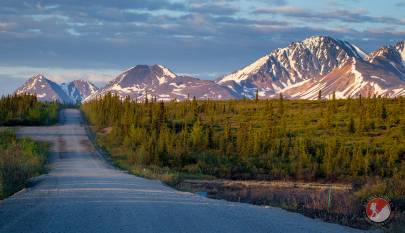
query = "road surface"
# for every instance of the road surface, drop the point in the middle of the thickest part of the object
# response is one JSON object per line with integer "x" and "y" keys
{"x": 83, "y": 193}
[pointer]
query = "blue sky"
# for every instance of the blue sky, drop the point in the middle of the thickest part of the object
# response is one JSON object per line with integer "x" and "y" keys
{"x": 95, "y": 40}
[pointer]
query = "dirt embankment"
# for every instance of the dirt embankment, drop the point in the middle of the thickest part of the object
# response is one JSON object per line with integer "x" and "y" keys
{"x": 330, "y": 202}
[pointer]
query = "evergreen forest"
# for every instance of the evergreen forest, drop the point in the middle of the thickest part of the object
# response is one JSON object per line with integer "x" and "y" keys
{"x": 309, "y": 140}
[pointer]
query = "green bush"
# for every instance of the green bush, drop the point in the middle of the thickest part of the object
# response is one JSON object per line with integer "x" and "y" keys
{"x": 20, "y": 159}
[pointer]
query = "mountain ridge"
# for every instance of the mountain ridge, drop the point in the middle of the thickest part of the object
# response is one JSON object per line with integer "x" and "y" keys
{"x": 300, "y": 70}
{"x": 79, "y": 89}
{"x": 307, "y": 61}
{"x": 157, "y": 81}
{"x": 49, "y": 91}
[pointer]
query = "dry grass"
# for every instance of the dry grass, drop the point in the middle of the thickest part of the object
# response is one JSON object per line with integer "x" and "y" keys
{"x": 310, "y": 199}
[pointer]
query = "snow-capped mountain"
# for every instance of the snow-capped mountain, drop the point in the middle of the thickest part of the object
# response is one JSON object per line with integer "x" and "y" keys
{"x": 284, "y": 67}
{"x": 389, "y": 58}
{"x": 300, "y": 70}
{"x": 45, "y": 90}
{"x": 321, "y": 63}
{"x": 159, "y": 82}
{"x": 78, "y": 90}
{"x": 48, "y": 91}
{"x": 382, "y": 72}
{"x": 354, "y": 78}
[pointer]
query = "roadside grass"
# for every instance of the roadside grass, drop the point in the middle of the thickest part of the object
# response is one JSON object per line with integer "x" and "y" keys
{"x": 20, "y": 160}
{"x": 167, "y": 175}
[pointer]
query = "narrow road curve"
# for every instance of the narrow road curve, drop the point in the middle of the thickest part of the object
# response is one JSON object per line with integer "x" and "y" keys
{"x": 82, "y": 193}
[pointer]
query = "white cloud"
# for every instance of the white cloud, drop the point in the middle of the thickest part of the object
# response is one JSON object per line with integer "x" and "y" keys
{"x": 4, "y": 26}
{"x": 73, "y": 32}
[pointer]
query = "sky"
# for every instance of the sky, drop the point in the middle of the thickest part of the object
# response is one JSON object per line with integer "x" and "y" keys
{"x": 96, "y": 40}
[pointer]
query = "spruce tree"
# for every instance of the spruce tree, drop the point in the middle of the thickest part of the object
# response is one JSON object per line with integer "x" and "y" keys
{"x": 384, "y": 113}
{"x": 196, "y": 134}
{"x": 351, "y": 126}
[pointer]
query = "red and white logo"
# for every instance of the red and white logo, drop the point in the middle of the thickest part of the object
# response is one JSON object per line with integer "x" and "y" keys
{"x": 378, "y": 209}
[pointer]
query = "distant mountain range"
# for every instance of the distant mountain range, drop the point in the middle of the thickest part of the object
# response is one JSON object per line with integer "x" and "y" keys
{"x": 159, "y": 82}
{"x": 301, "y": 71}
{"x": 320, "y": 63}
{"x": 47, "y": 90}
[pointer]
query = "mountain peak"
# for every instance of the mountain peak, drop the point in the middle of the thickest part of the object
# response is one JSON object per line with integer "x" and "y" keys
{"x": 166, "y": 71}
{"x": 79, "y": 89}
{"x": 45, "y": 89}
{"x": 159, "y": 70}
{"x": 317, "y": 39}
{"x": 299, "y": 61}
{"x": 38, "y": 77}
{"x": 390, "y": 57}
{"x": 289, "y": 52}
{"x": 152, "y": 68}
{"x": 384, "y": 51}
{"x": 36, "y": 80}
{"x": 160, "y": 82}
{"x": 400, "y": 43}
{"x": 400, "y": 47}
{"x": 141, "y": 75}
{"x": 311, "y": 60}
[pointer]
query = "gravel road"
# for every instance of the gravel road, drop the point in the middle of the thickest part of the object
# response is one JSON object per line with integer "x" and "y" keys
{"x": 82, "y": 193}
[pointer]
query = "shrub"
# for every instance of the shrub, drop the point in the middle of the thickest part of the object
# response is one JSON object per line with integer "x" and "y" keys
{"x": 20, "y": 159}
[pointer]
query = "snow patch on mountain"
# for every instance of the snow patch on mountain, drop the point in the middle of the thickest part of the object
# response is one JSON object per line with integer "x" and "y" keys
{"x": 159, "y": 82}
{"x": 78, "y": 90}
{"x": 302, "y": 69}
{"x": 400, "y": 47}
{"x": 167, "y": 72}
{"x": 244, "y": 73}
{"x": 45, "y": 90}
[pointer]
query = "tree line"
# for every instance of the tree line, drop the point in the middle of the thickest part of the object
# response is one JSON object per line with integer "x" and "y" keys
{"x": 256, "y": 139}
{"x": 25, "y": 109}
